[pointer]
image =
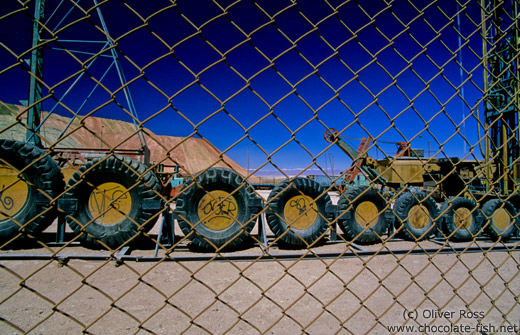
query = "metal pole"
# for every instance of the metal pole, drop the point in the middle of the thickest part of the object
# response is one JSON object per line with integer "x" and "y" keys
{"x": 35, "y": 86}
{"x": 505, "y": 156}
{"x": 461, "y": 74}
{"x": 516, "y": 92}
{"x": 122, "y": 79}
{"x": 485, "y": 64}
{"x": 332, "y": 162}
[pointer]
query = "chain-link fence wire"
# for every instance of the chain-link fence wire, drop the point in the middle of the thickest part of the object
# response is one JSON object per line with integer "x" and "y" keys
{"x": 190, "y": 136}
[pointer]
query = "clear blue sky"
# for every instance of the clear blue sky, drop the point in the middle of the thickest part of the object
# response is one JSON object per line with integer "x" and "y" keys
{"x": 375, "y": 69}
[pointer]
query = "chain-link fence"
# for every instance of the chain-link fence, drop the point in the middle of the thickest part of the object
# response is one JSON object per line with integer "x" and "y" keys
{"x": 244, "y": 167}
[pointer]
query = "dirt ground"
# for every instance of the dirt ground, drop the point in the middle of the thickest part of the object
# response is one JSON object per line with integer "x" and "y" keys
{"x": 353, "y": 295}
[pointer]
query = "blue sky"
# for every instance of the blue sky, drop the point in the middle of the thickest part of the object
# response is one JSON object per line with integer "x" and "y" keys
{"x": 366, "y": 68}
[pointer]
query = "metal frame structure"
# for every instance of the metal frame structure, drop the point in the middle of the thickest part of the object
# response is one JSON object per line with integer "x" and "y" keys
{"x": 34, "y": 121}
{"x": 502, "y": 80}
{"x": 351, "y": 251}
{"x": 35, "y": 87}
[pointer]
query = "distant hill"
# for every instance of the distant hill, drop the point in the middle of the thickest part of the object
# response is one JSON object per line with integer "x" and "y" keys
{"x": 192, "y": 154}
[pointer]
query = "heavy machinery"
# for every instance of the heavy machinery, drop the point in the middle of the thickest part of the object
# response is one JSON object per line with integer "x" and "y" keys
{"x": 415, "y": 184}
{"x": 112, "y": 200}
{"x": 473, "y": 196}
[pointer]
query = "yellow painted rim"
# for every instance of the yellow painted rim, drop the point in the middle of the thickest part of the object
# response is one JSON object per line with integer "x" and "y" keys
{"x": 300, "y": 212}
{"x": 501, "y": 219}
{"x": 14, "y": 192}
{"x": 110, "y": 203}
{"x": 419, "y": 216}
{"x": 217, "y": 210}
{"x": 367, "y": 214}
{"x": 462, "y": 218}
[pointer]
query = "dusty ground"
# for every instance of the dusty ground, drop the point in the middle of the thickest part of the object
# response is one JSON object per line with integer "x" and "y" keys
{"x": 315, "y": 296}
{"x": 357, "y": 295}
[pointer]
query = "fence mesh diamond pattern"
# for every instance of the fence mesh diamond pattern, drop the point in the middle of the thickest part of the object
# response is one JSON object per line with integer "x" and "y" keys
{"x": 259, "y": 167}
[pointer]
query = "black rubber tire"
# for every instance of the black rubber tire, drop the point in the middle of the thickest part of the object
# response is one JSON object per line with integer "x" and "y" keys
{"x": 280, "y": 197}
{"x": 490, "y": 227}
{"x": 402, "y": 209}
{"x": 217, "y": 179}
{"x": 44, "y": 181}
{"x": 449, "y": 226}
{"x": 355, "y": 231}
{"x": 142, "y": 186}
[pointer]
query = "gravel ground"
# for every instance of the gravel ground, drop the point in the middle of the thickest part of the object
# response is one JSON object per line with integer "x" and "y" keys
{"x": 358, "y": 295}
{"x": 361, "y": 293}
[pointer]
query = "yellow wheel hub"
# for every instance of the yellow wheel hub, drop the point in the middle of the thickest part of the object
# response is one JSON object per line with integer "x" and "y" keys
{"x": 217, "y": 210}
{"x": 418, "y": 216}
{"x": 462, "y": 218}
{"x": 13, "y": 192}
{"x": 110, "y": 203}
{"x": 501, "y": 218}
{"x": 300, "y": 212}
{"x": 367, "y": 214}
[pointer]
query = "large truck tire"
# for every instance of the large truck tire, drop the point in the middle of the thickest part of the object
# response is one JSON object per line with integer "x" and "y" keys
{"x": 30, "y": 181}
{"x": 500, "y": 219}
{"x": 462, "y": 219}
{"x": 112, "y": 200}
{"x": 363, "y": 215}
{"x": 299, "y": 212}
{"x": 217, "y": 209}
{"x": 416, "y": 215}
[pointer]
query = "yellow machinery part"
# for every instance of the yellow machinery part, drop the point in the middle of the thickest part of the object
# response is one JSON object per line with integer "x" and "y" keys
{"x": 367, "y": 214}
{"x": 14, "y": 192}
{"x": 217, "y": 210}
{"x": 419, "y": 216}
{"x": 300, "y": 212}
{"x": 109, "y": 203}
{"x": 462, "y": 218}
{"x": 501, "y": 218}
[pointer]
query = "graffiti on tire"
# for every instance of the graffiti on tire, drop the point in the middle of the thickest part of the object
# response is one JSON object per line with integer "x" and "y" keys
{"x": 300, "y": 205}
{"x": 300, "y": 212}
{"x": 7, "y": 202}
{"x": 110, "y": 202}
{"x": 14, "y": 193}
{"x": 218, "y": 209}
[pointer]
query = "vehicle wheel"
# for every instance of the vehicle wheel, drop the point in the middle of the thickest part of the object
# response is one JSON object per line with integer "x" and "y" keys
{"x": 217, "y": 208}
{"x": 500, "y": 221}
{"x": 416, "y": 215}
{"x": 112, "y": 200}
{"x": 363, "y": 215}
{"x": 462, "y": 221}
{"x": 29, "y": 183}
{"x": 299, "y": 212}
